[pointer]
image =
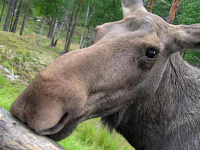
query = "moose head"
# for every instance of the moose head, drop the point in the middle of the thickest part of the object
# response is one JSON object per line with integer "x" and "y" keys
{"x": 125, "y": 64}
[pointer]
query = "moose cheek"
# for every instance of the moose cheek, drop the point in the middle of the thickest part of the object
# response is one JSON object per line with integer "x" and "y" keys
{"x": 145, "y": 64}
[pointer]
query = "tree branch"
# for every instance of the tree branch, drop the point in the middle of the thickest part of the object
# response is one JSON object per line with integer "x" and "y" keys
{"x": 15, "y": 135}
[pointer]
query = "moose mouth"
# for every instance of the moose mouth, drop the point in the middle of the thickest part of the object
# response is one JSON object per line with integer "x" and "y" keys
{"x": 63, "y": 128}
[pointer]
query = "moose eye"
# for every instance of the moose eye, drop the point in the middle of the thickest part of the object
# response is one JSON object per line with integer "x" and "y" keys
{"x": 151, "y": 53}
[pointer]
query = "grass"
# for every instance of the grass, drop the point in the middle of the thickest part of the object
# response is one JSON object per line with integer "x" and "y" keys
{"x": 93, "y": 137}
{"x": 22, "y": 56}
{"x": 193, "y": 57}
{"x": 8, "y": 91}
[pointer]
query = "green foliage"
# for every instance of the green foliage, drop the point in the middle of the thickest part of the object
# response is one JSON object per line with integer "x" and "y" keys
{"x": 52, "y": 8}
{"x": 106, "y": 11}
{"x": 193, "y": 58}
{"x": 160, "y": 7}
{"x": 189, "y": 12}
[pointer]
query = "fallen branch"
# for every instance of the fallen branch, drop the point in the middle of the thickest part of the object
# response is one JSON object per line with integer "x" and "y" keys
{"x": 14, "y": 135}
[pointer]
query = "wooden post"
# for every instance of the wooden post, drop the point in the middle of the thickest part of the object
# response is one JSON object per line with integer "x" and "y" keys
{"x": 15, "y": 135}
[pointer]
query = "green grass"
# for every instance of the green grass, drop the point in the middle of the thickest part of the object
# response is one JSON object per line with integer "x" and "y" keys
{"x": 92, "y": 137}
{"x": 24, "y": 57}
{"x": 193, "y": 58}
{"x": 8, "y": 92}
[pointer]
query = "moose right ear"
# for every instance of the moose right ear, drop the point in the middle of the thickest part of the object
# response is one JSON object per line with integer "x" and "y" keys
{"x": 131, "y": 6}
{"x": 188, "y": 36}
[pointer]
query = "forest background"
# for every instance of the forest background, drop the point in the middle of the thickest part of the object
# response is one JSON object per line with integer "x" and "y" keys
{"x": 35, "y": 32}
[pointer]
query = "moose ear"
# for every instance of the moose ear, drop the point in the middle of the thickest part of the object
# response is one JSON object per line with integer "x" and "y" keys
{"x": 130, "y": 6}
{"x": 188, "y": 36}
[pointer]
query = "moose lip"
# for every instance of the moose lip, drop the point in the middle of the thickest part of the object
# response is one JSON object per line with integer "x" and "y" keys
{"x": 64, "y": 132}
{"x": 63, "y": 128}
{"x": 57, "y": 127}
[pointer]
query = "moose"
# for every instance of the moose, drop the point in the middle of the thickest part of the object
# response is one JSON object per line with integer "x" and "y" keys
{"x": 133, "y": 77}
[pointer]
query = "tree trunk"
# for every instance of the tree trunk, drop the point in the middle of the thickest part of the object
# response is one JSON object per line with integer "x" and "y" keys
{"x": 53, "y": 32}
{"x": 25, "y": 15}
{"x": 14, "y": 28}
{"x": 9, "y": 15}
{"x": 54, "y": 43}
{"x": 13, "y": 15}
{"x": 41, "y": 31}
{"x": 50, "y": 29}
{"x": 85, "y": 38}
{"x": 71, "y": 16}
{"x": 2, "y": 10}
{"x": 83, "y": 32}
{"x": 92, "y": 36}
{"x": 150, "y": 6}
{"x": 173, "y": 11}
{"x": 73, "y": 27}
{"x": 14, "y": 135}
{"x": 69, "y": 28}
{"x": 60, "y": 30}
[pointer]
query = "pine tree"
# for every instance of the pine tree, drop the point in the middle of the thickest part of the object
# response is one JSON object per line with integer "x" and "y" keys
{"x": 68, "y": 43}
{"x": 9, "y": 15}
{"x": 25, "y": 15}
{"x": 173, "y": 11}
{"x": 14, "y": 27}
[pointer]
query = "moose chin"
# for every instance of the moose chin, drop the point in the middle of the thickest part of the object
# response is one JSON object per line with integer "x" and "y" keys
{"x": 133, "y": 77}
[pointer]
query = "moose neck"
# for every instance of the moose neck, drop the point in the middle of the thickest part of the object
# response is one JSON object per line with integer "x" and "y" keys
{"x": 167, "y": 116}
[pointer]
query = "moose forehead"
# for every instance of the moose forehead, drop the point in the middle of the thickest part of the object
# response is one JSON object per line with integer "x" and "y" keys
{"x": 136, "y": 25}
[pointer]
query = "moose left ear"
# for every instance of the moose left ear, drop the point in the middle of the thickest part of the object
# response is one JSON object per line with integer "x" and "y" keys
{"x": 188, "y": 36}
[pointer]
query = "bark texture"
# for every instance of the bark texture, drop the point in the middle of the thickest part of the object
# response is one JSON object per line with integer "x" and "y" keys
{"x": 9, "y": 15}
{"x": 173, "y": 11}
{"x": 14, "y": 135}
{"x": 150, "y": 6}
{"x": 41, "y": 31}
{"x": 25, "y": 15}
{"x": 67, "y": 46}
{"x": 14, "y": 28}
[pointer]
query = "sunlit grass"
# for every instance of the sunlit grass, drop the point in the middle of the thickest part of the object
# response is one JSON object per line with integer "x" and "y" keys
{"x": 8, "y": 92}
{"x": 91, "y": 136}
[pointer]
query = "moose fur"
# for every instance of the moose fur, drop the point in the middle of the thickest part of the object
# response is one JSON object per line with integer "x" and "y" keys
{"x": 170, "y": 118}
